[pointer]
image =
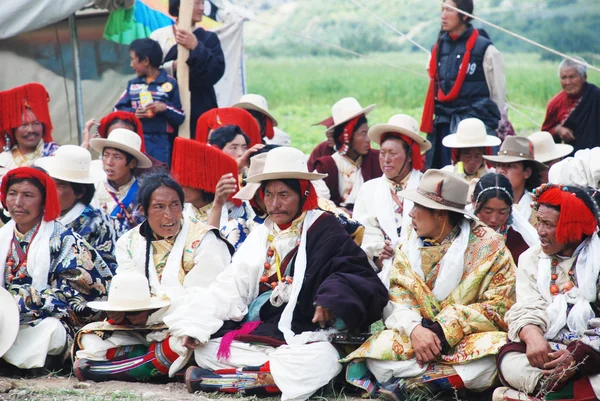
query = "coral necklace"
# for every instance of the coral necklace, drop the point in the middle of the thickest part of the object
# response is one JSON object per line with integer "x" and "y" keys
{"x": 554, "y": 290}
{"x": 22, "y": 255}
{"x": 274, "y": 258}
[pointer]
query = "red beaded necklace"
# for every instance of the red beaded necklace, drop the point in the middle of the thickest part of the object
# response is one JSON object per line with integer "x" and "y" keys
{"x": 274, "y": 258}
{"x": 22, "y": 255}
{"x": 554, "y": 290}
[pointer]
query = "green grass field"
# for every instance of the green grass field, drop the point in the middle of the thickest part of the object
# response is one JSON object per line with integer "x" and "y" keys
{"x": 301, "y": 91}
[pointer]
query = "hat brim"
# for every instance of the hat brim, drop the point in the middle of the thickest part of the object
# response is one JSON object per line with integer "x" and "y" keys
{"x": 98, "y": 144}
{"x": 9, "y": 326}
{"x": 153, "y": 303}
{"x": 377, "y": 131}
{"x": 452, "y": 141}
{"x": 54, "y": 170}
{"x": 252, "y": 106}
{"x": 560, "y": 150}
{"x": 364, "y": 111}
{"x": 247, "y": 192}
{"x": 416, "y": 197}
{"x": 285, "y": 175}
{"x": 513, "y": 159}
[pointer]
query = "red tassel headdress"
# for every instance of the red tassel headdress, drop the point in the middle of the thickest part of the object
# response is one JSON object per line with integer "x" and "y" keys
{"x": 13, "y": 103}
{"x": 123, "y": 116}
{"x": 576, "y": 219}
{"x": 200, "y": 166}
{"x": 52, "y": 205}
{"x": 216, "y": 118}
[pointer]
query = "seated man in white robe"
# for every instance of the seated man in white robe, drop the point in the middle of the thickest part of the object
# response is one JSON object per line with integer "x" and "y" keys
{"x": 176, "y": 253}
{"x": 298, "y": 279}
{"x": 554, "y": 348}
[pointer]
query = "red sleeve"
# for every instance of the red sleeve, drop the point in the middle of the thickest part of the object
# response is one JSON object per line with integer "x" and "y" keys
{"x": 553, "y": 112}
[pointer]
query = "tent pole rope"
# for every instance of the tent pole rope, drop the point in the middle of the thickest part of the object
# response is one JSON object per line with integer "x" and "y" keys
{"x": 184, "y": 22}
{"x": 523, "y": 114}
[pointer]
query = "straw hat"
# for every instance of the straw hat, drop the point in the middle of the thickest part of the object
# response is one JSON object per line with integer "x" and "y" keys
{"x": 9, "y": 320}
{"x": 470, "y": 133}
{"x": 129, "y": 292}
{"x": 257, "y": 165}
{"x": 72, "y": 163}
{"x": 347, "y": 109}
{"x": 401, "y": 124}
{"x": 285, "y": 163}
{"x": 516, "y": 149}
{"x": 546, "y": 149}
{"x": 440, "y": 190}
{"x": 125, "y": 140}
{"x": 257, "y": 103}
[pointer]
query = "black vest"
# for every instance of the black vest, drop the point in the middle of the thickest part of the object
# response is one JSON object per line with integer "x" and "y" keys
{"x": 450, "y": 56}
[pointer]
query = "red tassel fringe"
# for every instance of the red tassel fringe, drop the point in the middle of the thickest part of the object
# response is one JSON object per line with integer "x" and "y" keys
{"x": 217, "y": 118}
{"x": 123, "y": 116}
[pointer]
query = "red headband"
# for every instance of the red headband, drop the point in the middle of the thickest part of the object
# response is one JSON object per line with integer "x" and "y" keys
{"x": 218, "y": 117}
{"x": 575, "y": 220}
{"x": 123, "y": 116}
{"x": 417, "y": 161}
{"x": 309, "y": 194}
{"x": 52, "y": 205}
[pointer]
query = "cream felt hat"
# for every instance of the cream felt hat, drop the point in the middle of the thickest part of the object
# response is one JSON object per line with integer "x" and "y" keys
{"x": 347, "y": 109}
{"x": 470, "y": 133}
{"x": 257, "y": 165}
{"x": 129, "y": 292}
{"x": 516, "y": 149}
{"x": 285, "y": 163}
{"x": 9, "y": 320}
{"x": 440, "y": 190}
{"x": 258, "y": 103}
{"x": 546, "y": 149}
{"x": 402, "y": 124}
{"x": 72, "y": 163}
{"x": 125, "y": 140}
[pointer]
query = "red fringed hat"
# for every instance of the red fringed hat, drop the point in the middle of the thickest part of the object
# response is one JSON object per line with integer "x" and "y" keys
{"x": 52, "y": 205}
{"x": 216, "y": 118}
{"x": 15, "y": 101}
{"x": 123, "y": 116}
{"x": 576, "y": 220}
{"x": 200, "y": 166}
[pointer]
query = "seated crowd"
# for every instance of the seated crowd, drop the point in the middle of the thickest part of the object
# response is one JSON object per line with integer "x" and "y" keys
{"x": 239, "y": 265}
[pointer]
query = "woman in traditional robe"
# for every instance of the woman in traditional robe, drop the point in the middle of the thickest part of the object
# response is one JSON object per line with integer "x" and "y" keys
{"x": 492, "y": 204}
{"x": 354, "y": 162}
{"x": 176, "y": 253}
{"x": 451, "y": 284}
{"x": 469, "y": 144}
{"x": 378, "y": 206}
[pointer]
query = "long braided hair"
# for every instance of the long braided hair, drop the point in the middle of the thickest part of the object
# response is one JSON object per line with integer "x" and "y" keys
{"x": 149, "y": 184}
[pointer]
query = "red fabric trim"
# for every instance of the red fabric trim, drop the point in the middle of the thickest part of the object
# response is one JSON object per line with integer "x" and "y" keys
{"x": 428, "y": 110}
{"x": 123, "y": 116}
{"x": 269, "y": 130}
{"x": 52, "y": 206}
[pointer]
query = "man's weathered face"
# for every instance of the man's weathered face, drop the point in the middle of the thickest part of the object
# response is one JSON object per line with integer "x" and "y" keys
{"x": 472, "y": 159}
{"x": 282, "y": 202}
{"x": 392, "y": 158}
{"x": 29, "y": 134}
{"x": 25, "y": 202}
{"x": 516, "y": 173}
{"x": 360, "y": 140}
{"x": 547, "y": 221}
{"x": 115, "y": 165}
{"x": 571, "y": 81}
{"x": 165, "y": 212}
{"x": 66, "y": 195}
{"x": 426, "y": 222}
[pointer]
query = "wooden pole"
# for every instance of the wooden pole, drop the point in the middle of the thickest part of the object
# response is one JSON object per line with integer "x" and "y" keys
{"x": 184, "y": 22}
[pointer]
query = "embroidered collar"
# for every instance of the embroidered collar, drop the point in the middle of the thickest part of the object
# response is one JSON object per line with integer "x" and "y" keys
{"x": 202, "y": 213}
{"x": 27, "y": 159}
{"x": 449, "y": 238}
{"x": 27, "y": 236}
{"x": 123, "y": 189}
{"x": 398, "y": 187}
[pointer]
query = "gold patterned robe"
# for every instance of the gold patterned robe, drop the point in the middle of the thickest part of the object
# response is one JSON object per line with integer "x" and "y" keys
{"x": 472, "y": 316}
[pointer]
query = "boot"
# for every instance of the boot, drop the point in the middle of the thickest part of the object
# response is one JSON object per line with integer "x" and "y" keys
{"x": 251, "y": 380}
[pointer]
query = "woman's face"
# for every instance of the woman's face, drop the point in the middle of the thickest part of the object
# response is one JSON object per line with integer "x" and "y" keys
{"x": 494, "y": 213}
{"x": 451, "y": 19}
{"x": 516, "y": 173}
{"x": 237, "y": 147}
{"x": 360, "y": 140}
{"x": 472, "y": 159}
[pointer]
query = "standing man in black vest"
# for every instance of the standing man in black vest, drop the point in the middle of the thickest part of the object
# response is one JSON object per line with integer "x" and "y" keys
{"x": 206, "y": 60}
{"x": 467, "y": 80}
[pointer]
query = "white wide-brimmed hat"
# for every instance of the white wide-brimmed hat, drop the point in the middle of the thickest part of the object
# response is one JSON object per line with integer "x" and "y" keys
{"x": 347, "y": 109}
{"x": 125, "y": 140}
{"x": 516, "y": 149}
{"x": 402, "y": 124}
{"x": 9, "y": 320}
{"x": 470, "y": 133}
{"x": 258, "y": 103}
{"x": 72, "y": 163}
{"x": 545, "y": 149}
{"x": 285, "y": 163}
{"x": 440, "y": 190}
{"x": 129, "y": 292}
{"x": 257, "y": 165}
